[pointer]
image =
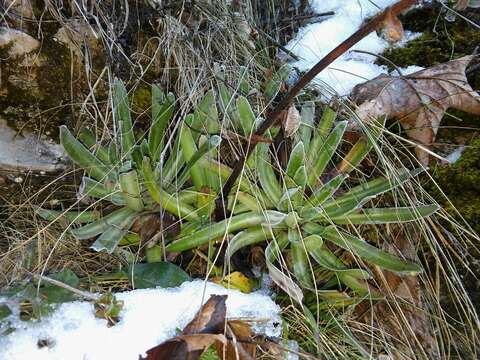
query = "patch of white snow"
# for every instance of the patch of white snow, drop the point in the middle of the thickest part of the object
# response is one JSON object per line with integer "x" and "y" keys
{"x": 149, "y": 317}
{"x": 315, "y": 41}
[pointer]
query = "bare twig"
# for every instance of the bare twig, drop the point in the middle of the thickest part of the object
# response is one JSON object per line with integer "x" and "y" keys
{"x": 372, "y": 25}
{"x": 83, "y": 294}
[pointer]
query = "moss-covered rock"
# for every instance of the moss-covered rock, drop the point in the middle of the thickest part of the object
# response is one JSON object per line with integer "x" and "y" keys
{"x": 461, "y": 183}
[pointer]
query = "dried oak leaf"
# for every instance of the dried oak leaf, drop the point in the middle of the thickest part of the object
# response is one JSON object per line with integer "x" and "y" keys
{"x": 291, "y": 122}
{"x": 419, "y": 100}
{"x": 207, "y": 329}
{"x": 184, "y": 347}
{"x": 210, "y": 319}
{"x": 392, "y": 28}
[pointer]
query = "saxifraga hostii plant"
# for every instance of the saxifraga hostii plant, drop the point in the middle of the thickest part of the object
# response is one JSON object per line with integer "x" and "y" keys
{"x": 291, "y": 209}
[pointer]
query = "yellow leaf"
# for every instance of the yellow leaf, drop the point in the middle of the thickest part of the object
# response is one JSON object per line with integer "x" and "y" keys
{"x": 235, "y": 280}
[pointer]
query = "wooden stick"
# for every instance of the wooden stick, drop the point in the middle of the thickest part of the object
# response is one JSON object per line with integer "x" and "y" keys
{"x": 372, "y": 25}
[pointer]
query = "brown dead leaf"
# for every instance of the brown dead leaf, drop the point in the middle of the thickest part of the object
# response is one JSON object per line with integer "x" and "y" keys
{"x": 184, "y": 347}
{"x": 210, "y": 319}
{"x": 239, "y": 346}
{"x": 419, "y": 100}
{"x": 207, "y": 329}
{"x": 392, "y": 28}
{"x": 291, "y": 122}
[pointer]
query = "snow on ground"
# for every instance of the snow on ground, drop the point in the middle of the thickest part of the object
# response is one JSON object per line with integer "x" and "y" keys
{"x": 148, "y": 318}
{"x": 315, "y": 41}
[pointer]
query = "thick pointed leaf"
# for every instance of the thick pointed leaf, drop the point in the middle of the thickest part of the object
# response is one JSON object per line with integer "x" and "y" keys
{"x": 279, "y": 277}
{"x": 247, "y": 237}
{"x": 86, "y": 136}
{"x": 212, "y": 142}
{"x": 189, "y": 149}
{"x": 321, "y": 159}
{"x": 326, "y": 191}
{"x": 162, "y": 112}
{"x": 301, "y": 265}
{"x": 246, "y": 116}
{"x": 266, "y": 174}
{"x": 206, "y": 115}
{"x": 131, "y": 190}
{"x": 222, "y": 228}
{"x": 94, "y": 189}
{"x": 123, "y": 118}
{"x": 112, "y": 235}
{"x": 387, "y": 215}
{"x": 362, "y": 148}
{"x": 96, "y": 228}
{"x": 169, "y": 202}
{"x": 274, "y": 84}
{"x": 80, "y": 155}
{"x": 306, "y": 123}
{"x": 320, "y": 134}
{"x": 297, "y": 159}
{"x": 73, "y": 217}
{"x": 159, "y": 274}
{"x": 369, "y": 253}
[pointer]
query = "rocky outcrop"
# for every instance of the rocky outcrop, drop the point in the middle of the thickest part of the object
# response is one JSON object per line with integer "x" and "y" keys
{"x": 28, "y": 151}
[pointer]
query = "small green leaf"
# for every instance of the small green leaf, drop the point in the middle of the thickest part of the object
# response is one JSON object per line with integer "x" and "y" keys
{"x": 230, "y": 225}
{"x": 281, "y": 276}
{"x": 94, "y": 189}
{"x": 189, "y": 149}
{"x": 387, "y": 215}
{"x": 112, "y": 235}
{"x": 55, "y": 294}
{"x": 131, "y": 190}
{"x": 247, "y": 117}
{"x": 123, "y": 118}
{"x": 368, "y": 252}
{"x": 206, "y": 115}
{"x": 117, "y": 217}
{"x": 73, "y": 217}
{"x": 158, "y": 274}
{"x": 273, "y": 85}
{"x": 162, "y": 112}
{"x": 307, "y": 116}
{"x": 88, "y": 138}
{"x": 80, "y": 155}
{"x": 266, "y": 174}
{"x": 301, "y": 266}
{"x": 320, "y": 134}
{"x": 247, "y": 237}
{"x": 4, "y": 312}
{"x": 325, "y": 192}
{"x": 212, "y": 142}
{"x": 323, "y": 157}
{"x": 297, "y": 159}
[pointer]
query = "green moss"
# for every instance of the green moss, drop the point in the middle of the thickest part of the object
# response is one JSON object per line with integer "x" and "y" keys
{"x": 440, "y": 41}
{"x": 142, "y": 99}
{"x": 461, "y": 184}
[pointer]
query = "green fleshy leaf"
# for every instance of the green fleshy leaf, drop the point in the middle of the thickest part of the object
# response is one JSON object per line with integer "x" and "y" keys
{"x": 80, "y": 155}
{"x": 55, "y": 294}
{"x": 387, "y": 215}
{"x": 112, "y": 236}
{"x": 157, "y": 274}
{"x": 131, "y": 190}
{"x": 123, "y": 118}
{"x": 162, "y": 113}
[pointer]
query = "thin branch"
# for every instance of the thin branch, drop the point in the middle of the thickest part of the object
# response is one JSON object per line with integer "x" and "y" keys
{"x": 83, "y": 294}
{"x": 372, "y": 25}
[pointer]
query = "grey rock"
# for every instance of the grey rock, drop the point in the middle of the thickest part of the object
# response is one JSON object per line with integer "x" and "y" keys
{"x": 18, "y": 42}
{"x": 28, "y": 152}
